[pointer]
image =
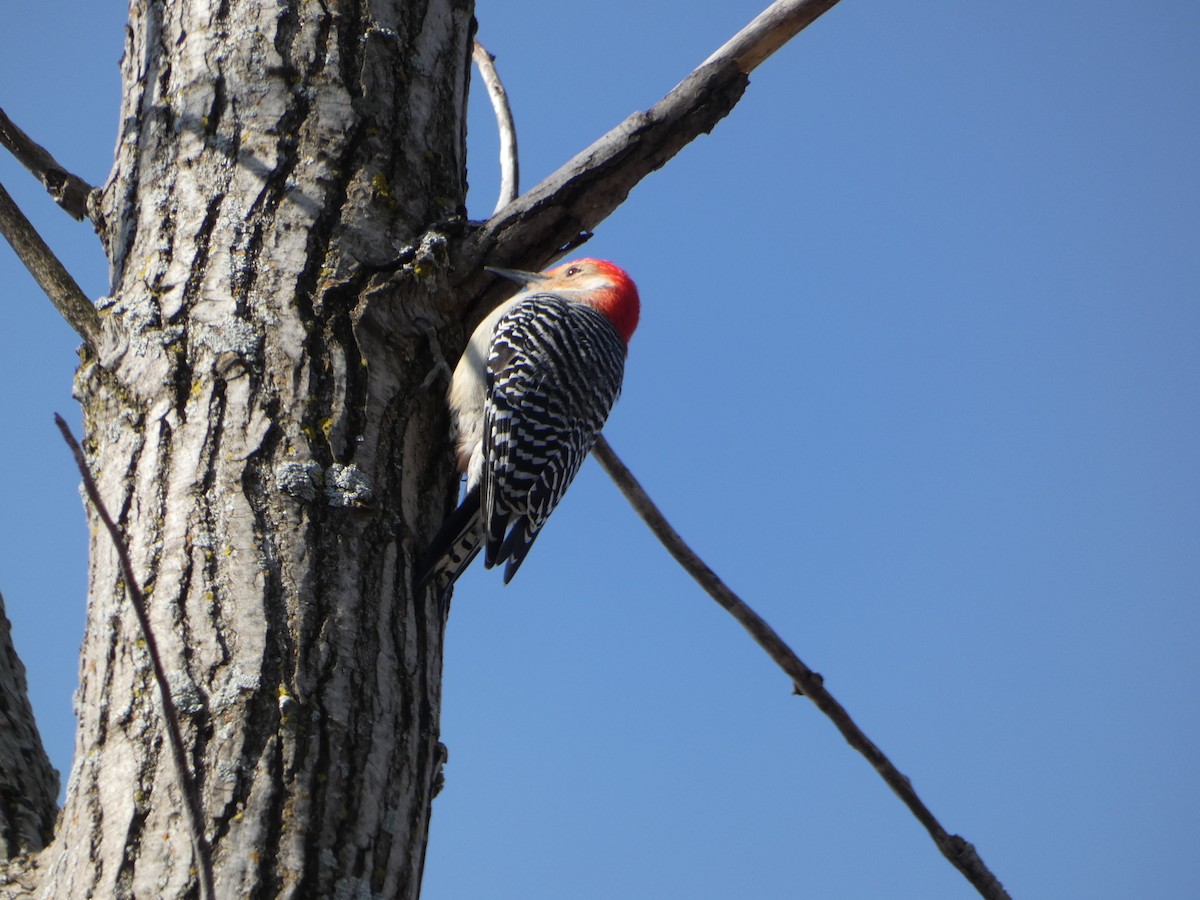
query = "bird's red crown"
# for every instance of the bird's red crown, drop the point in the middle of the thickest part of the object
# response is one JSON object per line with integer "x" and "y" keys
{"x": 604, "y": 285}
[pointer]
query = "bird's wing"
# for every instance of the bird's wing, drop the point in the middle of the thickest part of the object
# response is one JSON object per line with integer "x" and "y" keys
{"x": 553, "y": 374}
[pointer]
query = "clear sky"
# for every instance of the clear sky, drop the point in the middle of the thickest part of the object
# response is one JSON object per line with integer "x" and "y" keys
{"x": 917, "y": 374}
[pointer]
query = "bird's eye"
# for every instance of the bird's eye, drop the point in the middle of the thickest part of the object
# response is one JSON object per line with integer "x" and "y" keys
{"x": 574, "y": 270}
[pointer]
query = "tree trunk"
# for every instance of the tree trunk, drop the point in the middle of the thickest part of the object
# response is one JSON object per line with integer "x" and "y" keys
{"x": 272, "y": 439}
{"x": 28, "y": 783}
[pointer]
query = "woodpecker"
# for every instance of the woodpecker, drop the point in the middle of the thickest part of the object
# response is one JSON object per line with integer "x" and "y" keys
{"x": 528, "y": 399}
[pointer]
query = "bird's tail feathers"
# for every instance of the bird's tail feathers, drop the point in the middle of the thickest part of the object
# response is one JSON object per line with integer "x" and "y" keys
{"x": 513, "y": 550}
{"x": 456, "y": 544}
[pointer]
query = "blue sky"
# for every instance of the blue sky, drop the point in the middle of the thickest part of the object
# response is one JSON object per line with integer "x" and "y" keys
{"x": 917, "y": 374}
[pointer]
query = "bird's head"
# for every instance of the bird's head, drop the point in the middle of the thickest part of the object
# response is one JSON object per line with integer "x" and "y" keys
{"x": 597, "y": 282}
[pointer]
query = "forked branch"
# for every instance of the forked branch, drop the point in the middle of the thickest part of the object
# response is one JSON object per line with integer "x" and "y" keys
{"x": 552, "y": 216}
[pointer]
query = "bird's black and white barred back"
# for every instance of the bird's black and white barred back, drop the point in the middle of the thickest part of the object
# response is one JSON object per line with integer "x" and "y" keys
{"x": 528, "y": 398}
{"x": 553, "y": 374}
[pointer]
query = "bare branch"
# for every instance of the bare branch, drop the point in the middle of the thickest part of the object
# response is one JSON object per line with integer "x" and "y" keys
{"x": 69, "y": 191}
{"x": 53, "y": 277}
{"x": 510, "y": 176}
{"x": 137, "y": 599}
{"x": 960, "y": 852}
{"x": 768, "y": 31}
{"x": 532, "y": 230}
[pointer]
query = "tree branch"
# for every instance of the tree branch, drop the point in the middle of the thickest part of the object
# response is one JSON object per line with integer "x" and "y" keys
{"x": 959, "y": 851}
{"x": 509, "y": 166}
{"x": 69, "y": 191}
{"x": 554, "y": 215}
{"x": 53, "y": 277}
{"x": 174, "y": 730}
{"x": 768, "y": 31}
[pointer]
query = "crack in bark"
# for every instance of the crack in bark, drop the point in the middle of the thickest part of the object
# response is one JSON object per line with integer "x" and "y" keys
{"x": 133, "y": 843}
{"x": 201, "y": 242}
{"x": 208, "y": 528}
{"x": 349, "y": 31}
{"x": 318, "y": 783}
{"x": 325, "y": 311}
{"x": 263, "y": 707}
{"x": 217, "y": 109}
{"x": 271, "y": 882}
{"x": 258, "y": 484}
{"x": 356, "y": 399}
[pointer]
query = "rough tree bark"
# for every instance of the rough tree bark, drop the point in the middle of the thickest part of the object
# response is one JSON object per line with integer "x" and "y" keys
{"x": 266, "y": 435}
{"x": 28, "y": 783}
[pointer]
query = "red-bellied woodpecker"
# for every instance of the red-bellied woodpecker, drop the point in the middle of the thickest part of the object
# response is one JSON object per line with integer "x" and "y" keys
{"x": 528, "y": 399}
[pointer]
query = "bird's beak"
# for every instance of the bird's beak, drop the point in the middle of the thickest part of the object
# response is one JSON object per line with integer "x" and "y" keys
{"x": 517, "y": 275}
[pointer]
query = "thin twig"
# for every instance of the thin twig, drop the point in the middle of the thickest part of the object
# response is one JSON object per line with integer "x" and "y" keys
{"x": 187, "y": 782}
{"x": 66, "y": 295}
{"x": 960, "y": 852}
{"x": 69, "y": 191}
{"x": 509, "y": 167}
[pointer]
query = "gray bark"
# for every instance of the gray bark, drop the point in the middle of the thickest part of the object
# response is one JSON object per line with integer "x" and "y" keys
{"x": 28, "y": 783}
{"x": 266, "y": 436}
